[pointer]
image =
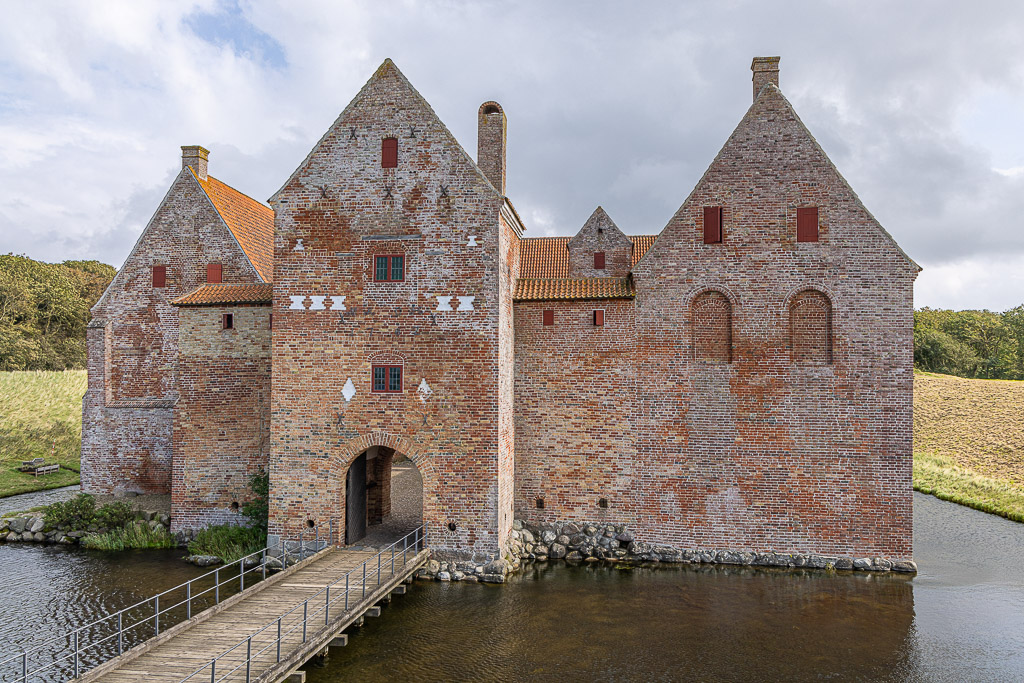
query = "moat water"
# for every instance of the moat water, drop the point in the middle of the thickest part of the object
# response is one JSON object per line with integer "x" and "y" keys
{"x": 961, "y": 618}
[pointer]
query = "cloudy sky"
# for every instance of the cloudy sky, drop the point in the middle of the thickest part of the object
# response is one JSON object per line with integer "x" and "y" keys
{"x": 623, "y": 104}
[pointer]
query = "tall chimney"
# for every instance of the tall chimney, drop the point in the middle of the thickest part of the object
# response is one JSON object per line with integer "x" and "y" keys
{"x": 490, "y": 144}
{"x": 197, "y": 157}
{"x": 766, "y": 70}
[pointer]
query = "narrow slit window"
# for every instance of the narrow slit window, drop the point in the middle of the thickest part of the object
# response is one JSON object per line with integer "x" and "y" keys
{"x": 712, "y": 225}
{"x": 159, "y": 276}
{"x": 214, "y": 273}
{"x": 807, "y": 224}
{"x": 389, "y": 153}
{"x": 599, "y": 260}
{"x": 387, "y": 379}
{"x": 227, "y": 321}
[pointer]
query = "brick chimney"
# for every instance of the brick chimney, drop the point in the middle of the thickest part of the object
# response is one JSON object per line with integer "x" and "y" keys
{"x": 490, "y": 144}
{"x": 197, "y": 157}
{"x": 766, "y": 70}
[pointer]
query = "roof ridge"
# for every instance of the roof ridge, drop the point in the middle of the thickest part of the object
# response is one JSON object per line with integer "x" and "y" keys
{"x": 235, "y": 189}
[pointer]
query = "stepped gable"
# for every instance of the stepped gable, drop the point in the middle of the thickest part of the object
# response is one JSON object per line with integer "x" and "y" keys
{"x": 250, "y": 221}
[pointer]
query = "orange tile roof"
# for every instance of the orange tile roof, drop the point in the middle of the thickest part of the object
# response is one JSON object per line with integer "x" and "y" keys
{"x": 548, "y": 257}
{"x": 546, "y": 289}
{"x": 213, "y": 295}
{"x": 250, "y": 221}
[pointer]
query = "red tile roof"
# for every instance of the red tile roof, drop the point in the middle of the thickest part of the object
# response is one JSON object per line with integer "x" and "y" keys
{"x": 250, "y": 221}
{"x": 548, "y": 289}
{"x": 548, "y": 257}
{"x": 215, "y": 295}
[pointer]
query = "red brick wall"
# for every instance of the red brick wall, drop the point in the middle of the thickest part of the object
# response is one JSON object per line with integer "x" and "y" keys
{"x": 133, "y": 345}
{"x": 575, "y": 390}
{"x": 441, "y": 213}
{"x": 222, "y": 418}
{"x": 599, "y": 234}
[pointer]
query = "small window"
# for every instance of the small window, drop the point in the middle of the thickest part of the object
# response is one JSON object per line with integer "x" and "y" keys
{"x": 387, "y": 379}
{"x": 599, "y": 317}
{"x": 540, "y": 503}
{"x": 389, "y": 153}
{"x": 214, "y": 273}
{"x": 599, "y": 260}
{"x": 227, "y": 321}
{"x": 389, "y": 268}
{"x": 807, "y": 224}
{"x": 271, "y": 322}
{"x": 602, "y": 502}
{"x": 549, "y": 317}
{"x": 712, "y": 225}
{"x": 159, "y": 276}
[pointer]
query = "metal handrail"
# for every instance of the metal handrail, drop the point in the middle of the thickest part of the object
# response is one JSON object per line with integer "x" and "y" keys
{"x": 73, "y": 641}
{"x": 418, "y": 537}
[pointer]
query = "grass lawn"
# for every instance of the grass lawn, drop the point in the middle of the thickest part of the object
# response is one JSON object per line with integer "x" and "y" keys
{"x": 40, "y": 414}
{"x": 969, "y": 442}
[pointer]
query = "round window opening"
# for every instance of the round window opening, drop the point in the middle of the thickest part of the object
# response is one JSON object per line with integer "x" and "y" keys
{"x": 310, "y": 523}
{"x": 452, "y": 526}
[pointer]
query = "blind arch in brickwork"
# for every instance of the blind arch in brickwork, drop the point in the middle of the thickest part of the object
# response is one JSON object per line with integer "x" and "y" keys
{"x": 711, "y": 324}
{"x": 810, "y": 327}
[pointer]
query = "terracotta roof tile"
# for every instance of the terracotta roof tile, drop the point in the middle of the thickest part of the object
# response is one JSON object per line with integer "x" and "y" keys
{"x": 547, "y": 289}
{"x": 548, "y": 257}
{"x": 213, "y": 295}
{"x": 250, "y": 221}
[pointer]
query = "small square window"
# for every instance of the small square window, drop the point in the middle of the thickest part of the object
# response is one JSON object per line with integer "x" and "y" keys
{"x": 227, "y": 321}
{"x": 389, "y": 268}
{"x": 807, "y": 224}
{"x": 214, "y": 273}
{"x": 549, "y": 317}
{"x": 159, "y": 276}
{"x": 599, "y": 260}
{"x": 387, "y": 379}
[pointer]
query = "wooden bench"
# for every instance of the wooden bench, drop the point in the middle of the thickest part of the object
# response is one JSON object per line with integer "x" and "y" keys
{"x": 46, "y": 469}
{"x": 31, "y": 465}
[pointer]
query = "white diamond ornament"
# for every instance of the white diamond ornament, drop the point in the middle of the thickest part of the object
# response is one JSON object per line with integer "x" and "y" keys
{"x": 349, "y": 390}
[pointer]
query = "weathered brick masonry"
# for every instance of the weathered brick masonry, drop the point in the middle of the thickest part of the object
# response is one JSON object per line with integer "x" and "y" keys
{"x": 742, "y": 380}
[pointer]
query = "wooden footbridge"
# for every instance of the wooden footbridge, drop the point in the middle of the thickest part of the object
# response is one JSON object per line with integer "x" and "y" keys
{"x": 262, "y": 633}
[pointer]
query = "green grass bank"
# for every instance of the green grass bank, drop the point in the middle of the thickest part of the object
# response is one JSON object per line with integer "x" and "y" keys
{"x": 40, "y": 417}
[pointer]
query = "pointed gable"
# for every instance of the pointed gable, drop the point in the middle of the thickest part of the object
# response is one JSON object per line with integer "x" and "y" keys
{"x": 599, "y": 249}
{"x": 251, "y": 222}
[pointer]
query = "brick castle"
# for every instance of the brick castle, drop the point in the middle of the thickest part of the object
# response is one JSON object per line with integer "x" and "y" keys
{"x": 742, "y": 379}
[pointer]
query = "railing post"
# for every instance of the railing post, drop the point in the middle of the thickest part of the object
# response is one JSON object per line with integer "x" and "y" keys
{"x": 392, "y": 559}
{"x": 264, "y": 563}
{"x": 378, "y": 569}
{"x": 24, "y": 666}
{"x": 120, "y": 635}
{"x": 364, "y": 578}
{"x": 316, "y": 545}
{"x": 347, "y": 574}
{"x": 241, "y": 574}
{"x": 279, "y": 639}
{"x": 305, "y": 612}
{"x": 216, "y": 586}
{"x": 188, "y": 600}
{"x": 327, "y": 606}
{"x": 75, "y": 639}
{"x": 213, "y": 670}
{"x": 405, "y": 547}
{"x": 248, "y": 659}
{"x": 302, "y": 545}
{"x": 156, "y": 617}
{"x": 330, "y": 531}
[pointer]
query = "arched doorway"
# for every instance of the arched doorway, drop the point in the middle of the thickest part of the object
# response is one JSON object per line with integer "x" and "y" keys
{"x": 383, "y": 497}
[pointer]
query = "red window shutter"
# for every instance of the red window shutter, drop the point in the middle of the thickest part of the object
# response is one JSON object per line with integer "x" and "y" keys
{"x": 389, "y": 153}
{"x": 549, "y": 317}
{"x": 227, "y": 321}
{"x": 807, "y": 224}
{"x": 159, "y": 276}
{"x": 599, "y": 260}
{"x": 712, "y": 224}
{"x": 214, "y": 273}
{"x": 599, "y": 317}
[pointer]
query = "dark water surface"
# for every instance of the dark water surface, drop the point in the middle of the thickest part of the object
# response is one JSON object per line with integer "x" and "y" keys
{"x": 960, "y": 619}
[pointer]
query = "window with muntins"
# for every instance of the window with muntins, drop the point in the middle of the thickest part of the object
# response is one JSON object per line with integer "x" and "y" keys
{"x": 387, "y": 379}
{"x": 389, "y": 268}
